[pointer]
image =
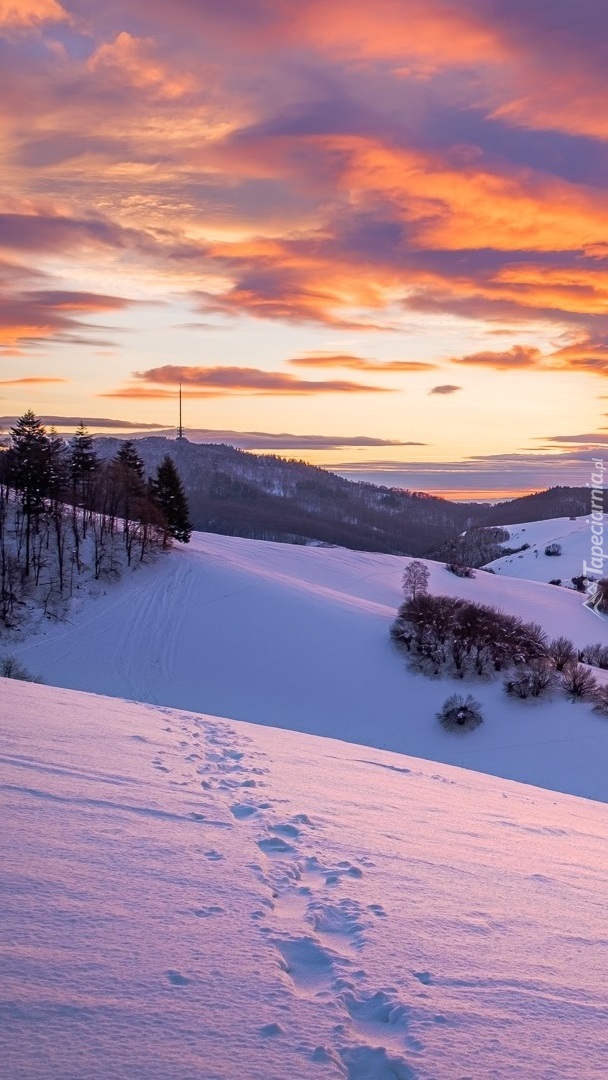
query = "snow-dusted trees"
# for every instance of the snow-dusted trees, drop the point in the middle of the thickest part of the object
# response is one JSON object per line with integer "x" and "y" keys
{"x": 464, "y": 637}
{"x": 415, "y": 580}
{"x": 63, "y": 512}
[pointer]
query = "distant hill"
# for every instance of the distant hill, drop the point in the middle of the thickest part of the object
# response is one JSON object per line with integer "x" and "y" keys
{"x": 262, "y": 496}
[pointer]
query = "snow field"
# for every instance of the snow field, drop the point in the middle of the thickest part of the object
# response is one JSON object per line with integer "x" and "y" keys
{"x": 191, "y": 897}
{"x": 297, "y": 637}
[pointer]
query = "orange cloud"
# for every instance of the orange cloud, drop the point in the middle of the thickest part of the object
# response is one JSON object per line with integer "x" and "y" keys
{"x": 134, "y": 61}
{"x": 431, "y": 33}
{"x": 239, "y": 380}
{"x": 24, "y": 13}
{"x": 454, "y": 202}
{"x": 31, "y": 381}
{"x": 359, "y": 363}
{"x": 520, "y": 356}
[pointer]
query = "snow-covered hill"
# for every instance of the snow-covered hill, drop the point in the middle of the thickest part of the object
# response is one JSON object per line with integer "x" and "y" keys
{"x": 573, "y": 536}
{"x": 188, "y": 897}
{"x": 297, "y": 637}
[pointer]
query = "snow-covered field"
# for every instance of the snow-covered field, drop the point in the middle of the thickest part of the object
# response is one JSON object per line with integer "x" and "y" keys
{"x": 573, "y": 536}
{"x": 191, "y": 898}
{"x": 297, "y": 637}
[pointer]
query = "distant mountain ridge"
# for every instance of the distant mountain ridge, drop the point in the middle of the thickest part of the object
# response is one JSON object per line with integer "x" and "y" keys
{"x": 262, "y": 496}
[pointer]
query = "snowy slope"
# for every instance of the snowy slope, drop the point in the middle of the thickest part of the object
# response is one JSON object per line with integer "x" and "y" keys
{"x": 188, "y": 897}
{"x": 297, "y": 638}
{"x": 573, "y": 536}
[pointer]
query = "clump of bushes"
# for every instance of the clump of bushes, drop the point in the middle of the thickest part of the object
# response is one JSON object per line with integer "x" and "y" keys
{"x": 462, "y": 637}
{"x": 601, "y": 700}
{"x": 532, "y": 681}
{"x": 555, "y": 581}
{"x": 553, "y": 549}
{"x": 11, "y": 668}
{"x": 460, "y": 713}
{"x": 596, "y": 655}
{"x": 578, "y": 682}
{"x": 460, "y": 571}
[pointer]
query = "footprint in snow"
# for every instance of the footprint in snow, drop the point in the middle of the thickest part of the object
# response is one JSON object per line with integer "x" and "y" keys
{"x": 274, "y": 845}
{"x": 176, "y": 979}
{"x": 271, "y": 1030}
{"x": 213, "y": 855}
{"x": 345, "y": 917}
{"x": 305, "y": 960}
{"x": 243, "y": 810}
{"x": 382, "y": 1008}
{"x": 208, "y": 912}
{"x": 374, "y": 1063}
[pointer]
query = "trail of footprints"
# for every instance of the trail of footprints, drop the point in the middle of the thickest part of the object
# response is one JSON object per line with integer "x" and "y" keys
{"x": 308, "y": 914}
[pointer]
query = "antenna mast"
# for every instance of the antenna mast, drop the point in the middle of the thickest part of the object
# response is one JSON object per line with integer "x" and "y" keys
{"x": 180, "y": 430}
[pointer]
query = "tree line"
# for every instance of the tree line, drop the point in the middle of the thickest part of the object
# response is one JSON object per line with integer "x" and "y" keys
{"x": 60, "y": 503}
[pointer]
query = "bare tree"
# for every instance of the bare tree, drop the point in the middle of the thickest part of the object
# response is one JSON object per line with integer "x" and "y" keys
{"x": 415, "y": 579}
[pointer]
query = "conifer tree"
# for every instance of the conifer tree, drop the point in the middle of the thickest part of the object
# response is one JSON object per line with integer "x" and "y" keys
{"x": 129, "y": 477}
{"x": 169, "y": 495}
{"x": 84, "y": 462}
{"x": 30, "y": 471}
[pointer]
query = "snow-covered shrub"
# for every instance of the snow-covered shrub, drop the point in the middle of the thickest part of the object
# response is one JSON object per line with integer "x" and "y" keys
{"x": 600, "y": 699}
{"x": 578, "y": 682}
{"x": 460, "y": 571}
{"x": 562, "y": 652}
{"x": 595, "y": 654}
{"x": 11, "y": 668}
{"x": 532, "y": 681}
{"x": 553, "y": 549}
{"x": 460, "y": 713}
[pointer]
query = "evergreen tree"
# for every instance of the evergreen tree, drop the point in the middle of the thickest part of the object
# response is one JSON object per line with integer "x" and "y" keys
{"x": 59, "y": 465}
{"x": 130, "y": 460}
{"x": 128, "y": 469}
{"x": 30, "y": 471}
{"x": 169, "y": 495}
{"x": 84, "y": 462}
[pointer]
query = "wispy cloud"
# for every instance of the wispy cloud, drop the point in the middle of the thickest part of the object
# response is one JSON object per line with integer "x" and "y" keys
{"x": 243, "y": 380}
{"x": 445, "y": 389}
{"x": 72, "y": 422}
{"x": 359, "y": 363}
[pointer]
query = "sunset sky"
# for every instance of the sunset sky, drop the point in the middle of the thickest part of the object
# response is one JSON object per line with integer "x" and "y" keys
{"x": 372, "y": 235}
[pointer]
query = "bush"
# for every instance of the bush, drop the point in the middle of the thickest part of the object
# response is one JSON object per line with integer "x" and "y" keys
{"x": 596, "y": 655}
{"x": 601, "y": 700}
{"x": 578, "y": 682}
{"x": 553, "y": 549}
{"x": 579, "y": 582}
{"x": 460, "y": 714}
{"x": 531, "y": 681}
{"x": 460, "y": 571}
{"x": 11, "y": 668}
{"x": 555, "y": 581}
{"x": 562, "y": 652}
